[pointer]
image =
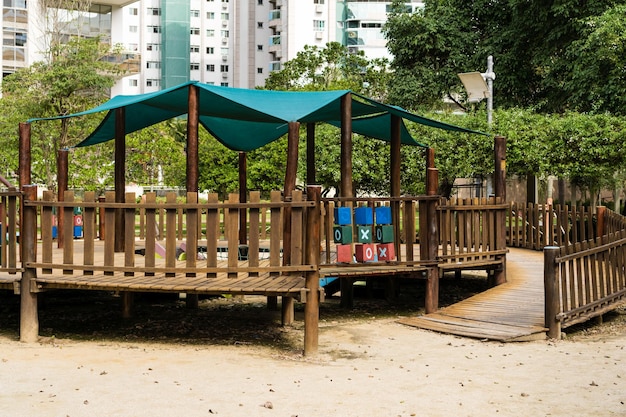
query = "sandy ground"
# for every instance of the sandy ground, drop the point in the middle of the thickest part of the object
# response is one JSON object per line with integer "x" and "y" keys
{"x": 364, "y": 368}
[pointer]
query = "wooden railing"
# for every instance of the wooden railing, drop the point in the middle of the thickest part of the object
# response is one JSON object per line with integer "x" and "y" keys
{"x": 583, "y": 278}
{"x": 534, "y": 226}
{"x": 165, "y": 229}
{"x": 9, "y": 231}
{"x": 471, "y": 233}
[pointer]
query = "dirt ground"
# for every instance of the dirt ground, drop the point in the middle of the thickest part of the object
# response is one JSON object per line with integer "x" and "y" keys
{"x": 231, "y": 357}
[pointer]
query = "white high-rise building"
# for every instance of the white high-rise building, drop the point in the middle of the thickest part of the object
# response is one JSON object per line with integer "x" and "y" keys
{"x": 222, "y": 42}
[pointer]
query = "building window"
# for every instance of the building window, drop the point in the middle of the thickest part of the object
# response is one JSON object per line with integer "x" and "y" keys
{"x": 132, "y": 82}
{"x": 259, "y": 2}
{"x": 210, "y": 50}
{"x": 132, "y": 29}
{"x": 153, "y": 82}
{"x": 318, "y": 25}
{"x": 224, "y": 1}
{"x": 153, "y": 64}
{"x": 154, "y": 11}
{"x": 223, "y": 68}
{"x": 133, "y": 47}
{"x": 195, "y": 13}
{"x": 210, "y": 32}
{"x": 225, "y": 16}
{"x": 259, "y": 47}
{"x": 132, "y": 11}
{"x": 194, "y": 66}
{"x": 318, "y": 1}
{"x": 224, "y": 84}
{"x": 259, "y": 25}
{"x": 194, "y": 31}
{"x": 224, "y": 33}
{"x": 259, "y": 70}
{"x": 153, "y": 47}
{"x": 210, "y": 15}
{"x": 224, "y": 51}
{"x": 194, "y": 48}
{"x": 210, "y": 67}
{"x": 154, "y": 29}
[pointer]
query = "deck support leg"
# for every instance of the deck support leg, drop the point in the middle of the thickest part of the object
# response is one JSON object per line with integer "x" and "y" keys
{"x": 287, "y": 311}
{"x": 347, "y": 292}
{"x": 432, "y": 290}
{"x": 29, "y": 319}
{"x": 128, "y": 301}
{"x": 391, "y": 289}
{"x": 272, "y": 303}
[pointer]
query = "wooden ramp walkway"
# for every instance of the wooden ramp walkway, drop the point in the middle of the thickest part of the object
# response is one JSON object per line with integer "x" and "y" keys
{"x": 513, "y": 311}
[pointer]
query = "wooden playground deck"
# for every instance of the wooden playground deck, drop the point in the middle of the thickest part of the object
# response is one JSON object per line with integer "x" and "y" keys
{"x": 513, "y": 311}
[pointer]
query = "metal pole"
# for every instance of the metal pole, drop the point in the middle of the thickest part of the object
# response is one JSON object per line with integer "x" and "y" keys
{"x": 490, "y": 76}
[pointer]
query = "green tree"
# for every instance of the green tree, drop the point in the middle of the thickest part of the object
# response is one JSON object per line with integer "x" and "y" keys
{"x": 533, "y": 44}
{"x": 76, "y": 76}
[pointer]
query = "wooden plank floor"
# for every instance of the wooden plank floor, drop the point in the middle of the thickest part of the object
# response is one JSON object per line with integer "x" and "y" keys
{"x": 513, "y": 311}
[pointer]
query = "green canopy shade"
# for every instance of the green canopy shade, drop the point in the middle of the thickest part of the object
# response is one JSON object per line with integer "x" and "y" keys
{"x": 244, "y": 120}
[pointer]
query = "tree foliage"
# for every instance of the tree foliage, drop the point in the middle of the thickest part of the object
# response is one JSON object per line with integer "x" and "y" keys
{"x": 544, "y": 52}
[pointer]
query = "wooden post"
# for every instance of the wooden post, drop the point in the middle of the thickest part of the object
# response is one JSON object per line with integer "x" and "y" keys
{"x": 601, "y": 225}
{"x": 120, "y": 176}
{"x": 191, "y": 300}
{"x": 312, "y": 253}
{"x": 24, "y": 170}
{"x": 193, "y": 117}
{"x": 346, "y": 146}
{"x": 290, "y": 184}
{"x": 62, "y": 182}
{"x": 430, "y": 236}
{"x": 391, "y": 287}
{"x": 551, "y": 289}
{"x": 310, "y": 154}
{"x": 499, "y": 182}
{"x": 192, "y": 139}
{"x": 346, "y": 189}
{"x": 243, "y": 195}
{"x": 430, "y": 158}
{"x": 128, "y": 298}
{"x": 29, "y": 320}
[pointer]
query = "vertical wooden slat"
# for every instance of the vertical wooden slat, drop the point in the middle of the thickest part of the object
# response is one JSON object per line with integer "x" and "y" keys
{"x": 192, "y": 232}
{"x": 129, "y": 232}
{"x": 68, "y": 229}
{"x": 253, "y": 239}
{"x": 275, "y": 234}
{"x": 170, "y": 232}
{"x": 232, "y": 223}
{"x": 297, "y": 237}
{"x": 409, "y": 226}
{"x": 151, "y": 232}
{"x": 46, "y": 232}
{"x": 109, "y": 240}
{"x": 89, "y": 233}
{"x": 212, "y": 232}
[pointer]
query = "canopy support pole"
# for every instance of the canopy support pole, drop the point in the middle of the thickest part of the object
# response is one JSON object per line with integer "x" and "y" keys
{"x": 193, "y": 114}
{"x": 290, "y": 185}
{"x": 394, "y": 178}
{"x": 310, "y": 154}
{"x": 243, "y": 193}
{"x": 120, "y": 175}
{"x": 62, "y": 181}
{"x": 24, "y": 170}
{"x": 346, "y": 284}
{"x": 499, "y": 183}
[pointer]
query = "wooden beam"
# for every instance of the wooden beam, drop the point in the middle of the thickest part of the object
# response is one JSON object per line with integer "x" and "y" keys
{"x": 500, "y": 193}
{"x": 346, "y": 146}
{"x": 310, "y": 154}
{"x": 29, "y": 320}
{"x": 243, "y": 195}
{"x": 24, "y": 170}
{"x": 290, "y": 185}
{"x": 312, "y": 257}
{"x": 192, "y": 139}
{"x": 120, "y": 175}
{"x": 62, "y": 181}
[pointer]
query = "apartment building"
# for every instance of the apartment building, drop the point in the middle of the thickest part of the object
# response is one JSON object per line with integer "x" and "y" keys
{"x": 222, "y": 42}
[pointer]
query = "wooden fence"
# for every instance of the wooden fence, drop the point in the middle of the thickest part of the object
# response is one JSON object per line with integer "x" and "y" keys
{"x": 584, "y": 280}
{"x": 10, "y": 264}
{"x": 471, "y": 234}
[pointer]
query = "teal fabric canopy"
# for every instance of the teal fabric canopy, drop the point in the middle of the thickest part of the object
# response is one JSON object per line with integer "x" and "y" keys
{"x": 244, "y": 119}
